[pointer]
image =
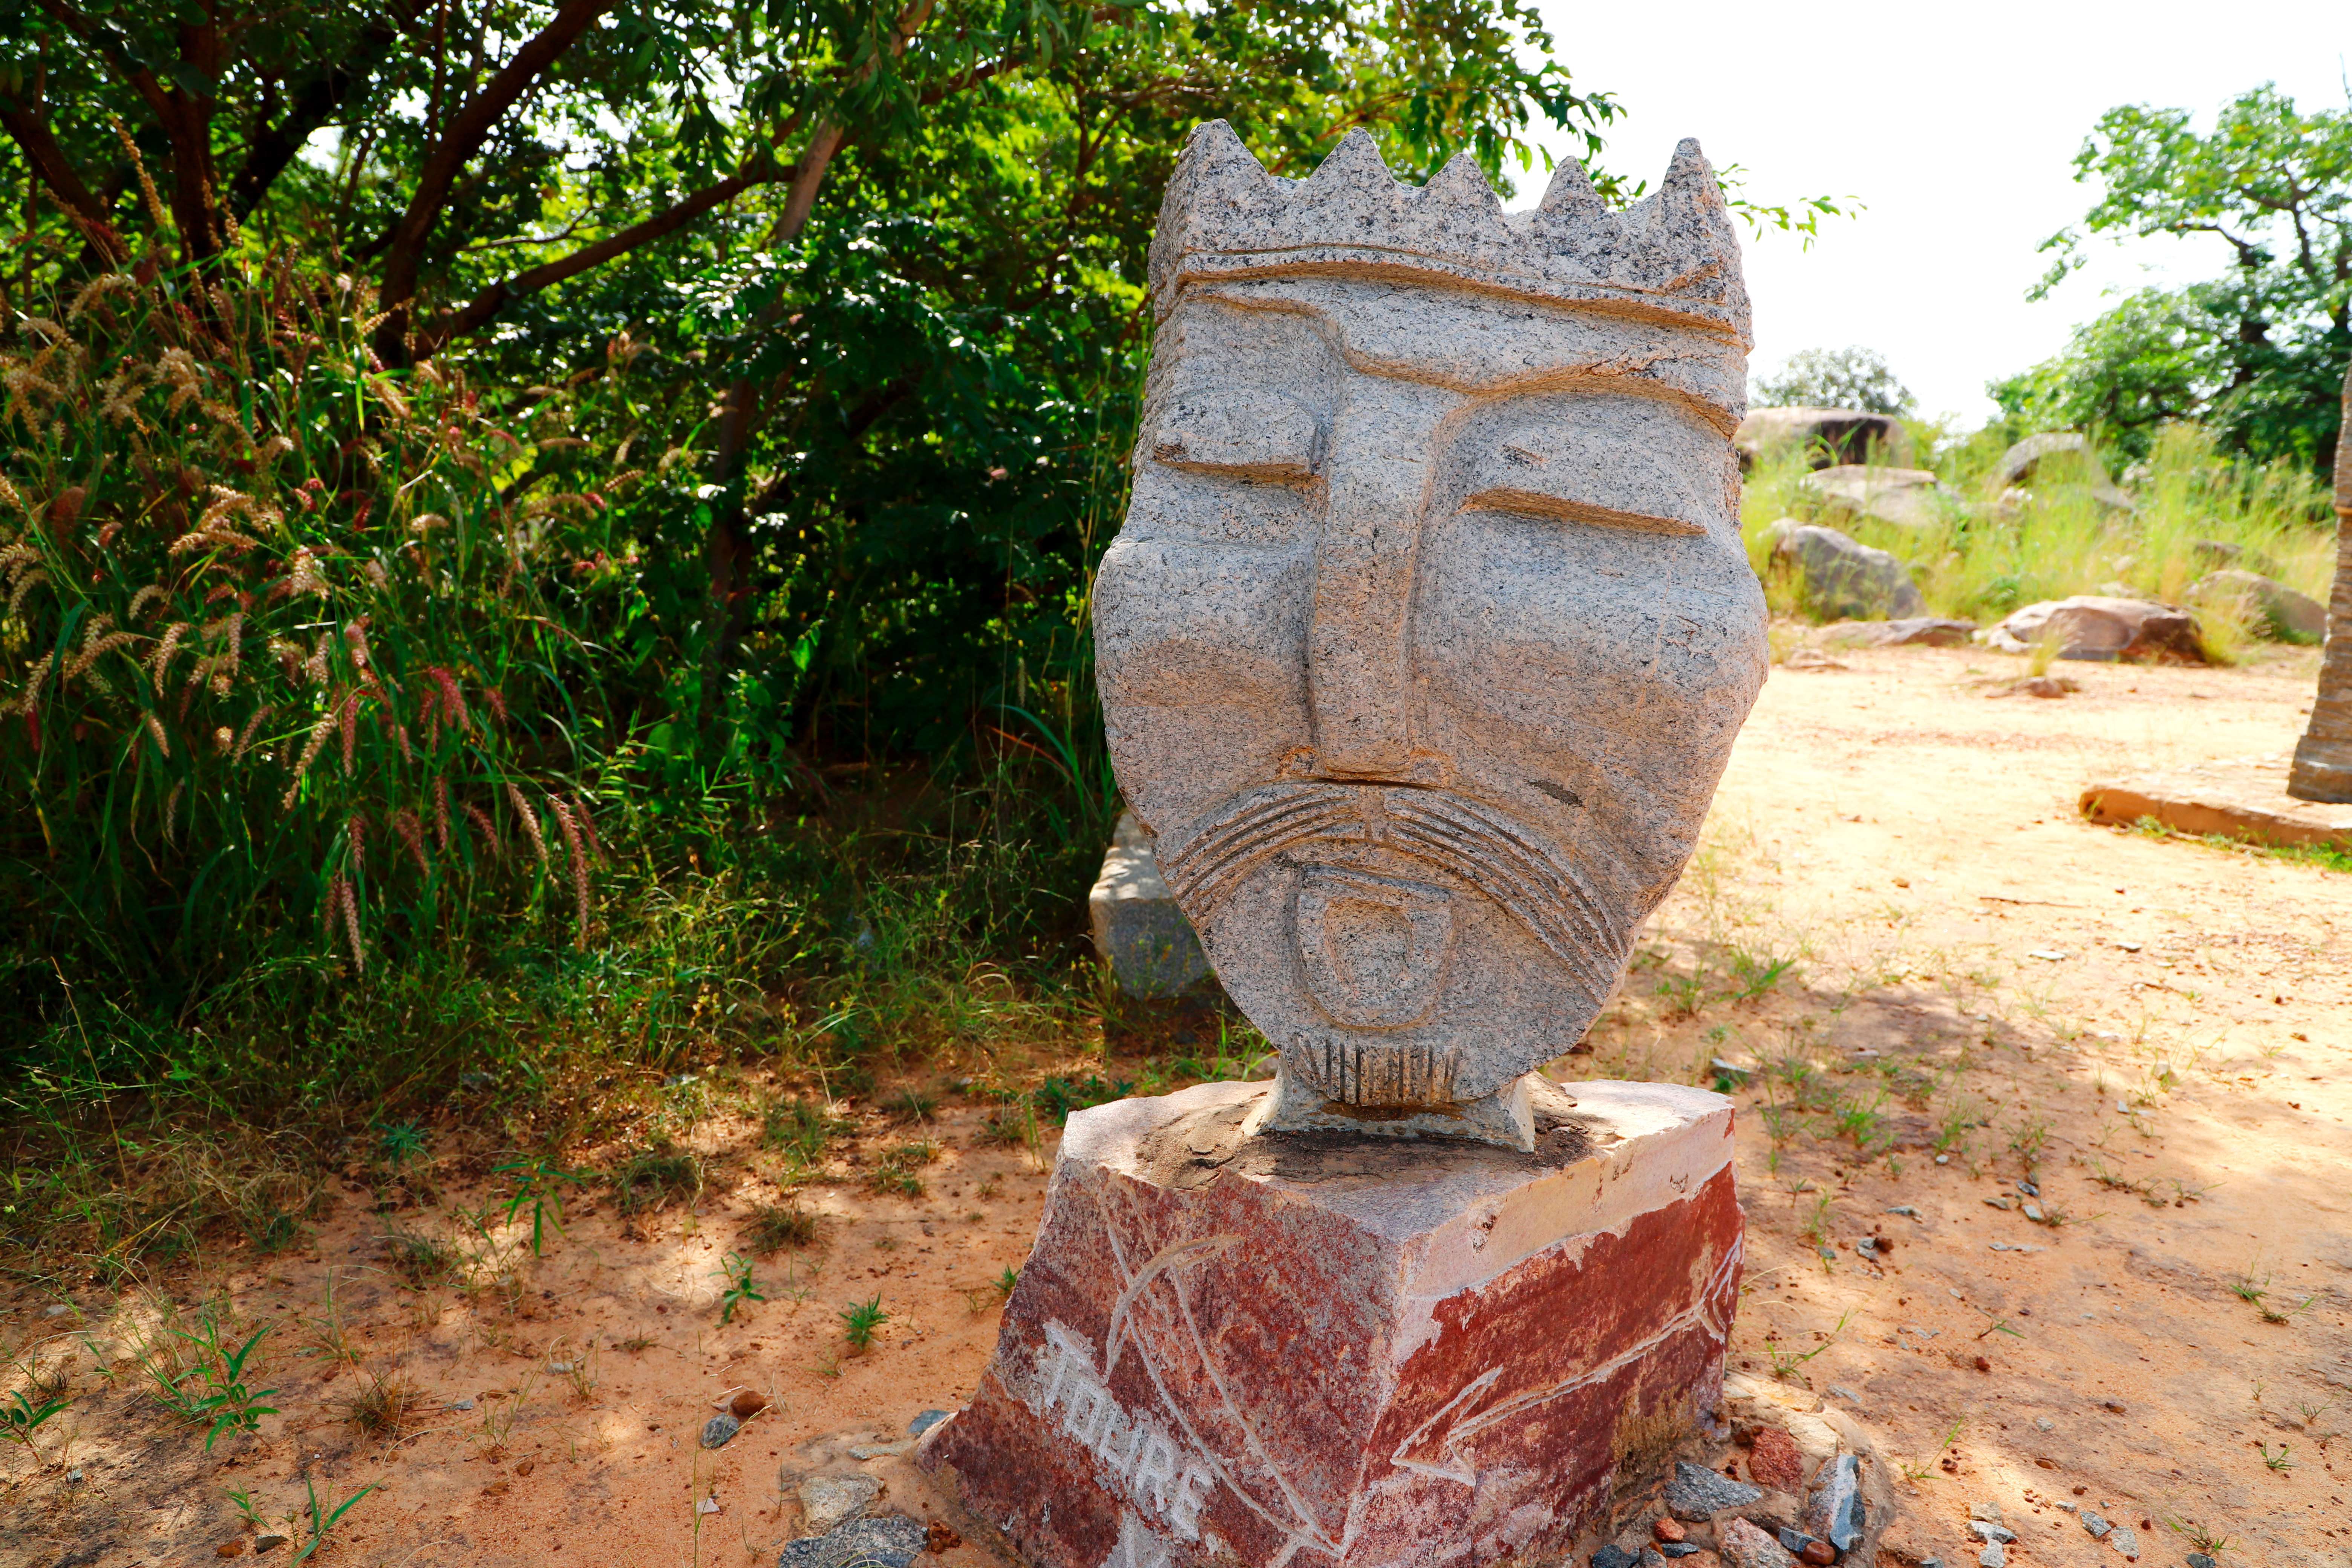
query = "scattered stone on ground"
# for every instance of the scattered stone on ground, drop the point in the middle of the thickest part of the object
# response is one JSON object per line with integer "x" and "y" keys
{"x": 1841, "y": 576}
{"x": 2101, "y": 630}
{"x": 746, "y": 1403}
{"x": 2046, "y": 686}
{"x": 925, "y": 1422}
{"x": 720, "y": 1430}
{"x": 1697, "y": 1494}
{"x": 1666, "y": 1527}
{"x": 1611, "y": 1556}
{"x": 1833, "y": 1511}
{"x": 1775, "y": 1460}
{"x": 1747, "y": 1545}
{"x": 829, "y": 1500}
{"x": 1915, "y": 631}
{"x": 884, "y": 1540}
{"x": 2125, "y": 1540}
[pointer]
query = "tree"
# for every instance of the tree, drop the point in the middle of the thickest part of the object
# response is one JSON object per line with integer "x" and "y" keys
{"x": 2257, "y": 353}
{"x": 2322, "y": 759}
{"x": 1835, "y": 378}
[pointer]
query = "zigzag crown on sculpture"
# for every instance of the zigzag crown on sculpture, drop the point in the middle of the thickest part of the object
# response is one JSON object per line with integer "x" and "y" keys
{"x": 1673, "y": 254}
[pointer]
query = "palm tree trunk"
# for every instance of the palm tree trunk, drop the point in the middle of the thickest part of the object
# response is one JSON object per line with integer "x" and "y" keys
{"x": 2323, "y": 762}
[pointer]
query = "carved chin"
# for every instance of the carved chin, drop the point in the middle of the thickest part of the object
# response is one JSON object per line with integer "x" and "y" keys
{"x": 1374, "y": 949}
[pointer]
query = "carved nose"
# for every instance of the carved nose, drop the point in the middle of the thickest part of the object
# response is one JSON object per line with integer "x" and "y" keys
{"x": 1359, "y": 646}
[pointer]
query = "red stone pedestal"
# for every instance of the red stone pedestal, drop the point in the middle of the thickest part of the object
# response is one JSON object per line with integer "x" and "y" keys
{"x": 1309, "y": 1350}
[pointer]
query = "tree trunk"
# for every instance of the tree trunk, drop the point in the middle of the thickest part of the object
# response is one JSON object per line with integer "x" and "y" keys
{"x": 2323, "y": 762}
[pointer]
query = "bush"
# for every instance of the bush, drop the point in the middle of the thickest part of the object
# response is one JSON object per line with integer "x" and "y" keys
{"x": 283, "y": 682}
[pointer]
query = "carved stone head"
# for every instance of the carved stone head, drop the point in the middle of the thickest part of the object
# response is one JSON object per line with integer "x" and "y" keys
{"x": 1429, "y": 630}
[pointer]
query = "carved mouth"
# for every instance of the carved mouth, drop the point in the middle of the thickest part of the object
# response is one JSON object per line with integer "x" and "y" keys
{"x": 1209, "y": 859}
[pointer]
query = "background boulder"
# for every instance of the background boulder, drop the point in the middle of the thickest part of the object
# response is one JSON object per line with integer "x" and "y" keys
{"x": 2090, "y": 626}
{"x": 1831, "y": 436}
{"x": 2285, "y": 613}
{"x": 2057, "y": 460}
{"x": 1904, "y": 497}
{"x": 1843, "y": 578}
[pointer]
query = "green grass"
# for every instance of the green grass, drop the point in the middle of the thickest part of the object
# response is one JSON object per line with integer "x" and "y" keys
{"x": 1982, "y": 559}
{"x": 2318, "y": 856}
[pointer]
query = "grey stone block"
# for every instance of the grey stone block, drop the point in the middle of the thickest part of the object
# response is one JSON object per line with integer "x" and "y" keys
{"x": 1138, "y": 929}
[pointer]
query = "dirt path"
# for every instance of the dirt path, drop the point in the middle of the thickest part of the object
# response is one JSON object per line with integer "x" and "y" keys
{"x": 1940, "y": 979}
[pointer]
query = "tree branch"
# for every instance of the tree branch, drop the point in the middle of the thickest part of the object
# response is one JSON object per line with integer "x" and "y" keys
{"x": 469, "y": 129}
{"x": 314, "y": 105}
{"x": 478, "y": 311}
{"x": 30, "y": 130}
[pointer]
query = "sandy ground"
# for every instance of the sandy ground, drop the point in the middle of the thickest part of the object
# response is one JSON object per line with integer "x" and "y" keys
{"x": 1977, "y": 986}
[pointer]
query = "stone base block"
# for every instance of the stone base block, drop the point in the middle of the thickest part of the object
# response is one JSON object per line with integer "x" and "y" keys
{"x": 2240, "y": 799}
{"x": 1313, "y": 1348}
{"x": 1150, "y": 947}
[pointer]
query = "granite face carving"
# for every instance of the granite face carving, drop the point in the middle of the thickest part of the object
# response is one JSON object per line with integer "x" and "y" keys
{"x": 1429, "y": 630}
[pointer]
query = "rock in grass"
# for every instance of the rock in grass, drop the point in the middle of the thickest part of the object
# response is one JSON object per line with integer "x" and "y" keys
{"x": 1841, "y": 576}
{"x": 1697, "y": 1493}
{"x": 720, "y": 1430}
{"x": 886, "y": 1540}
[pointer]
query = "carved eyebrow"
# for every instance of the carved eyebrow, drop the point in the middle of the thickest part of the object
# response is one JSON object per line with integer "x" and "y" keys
{"x": 1608, "y": 460}
{"x": 1265, "y": 435}
{"x": 1541, "y": 503}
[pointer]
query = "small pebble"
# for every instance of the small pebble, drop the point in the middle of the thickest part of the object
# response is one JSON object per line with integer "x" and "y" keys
{"x": 2125, "y": 1540}
{"x": 2033, "y": 1212}
{"x": 708, "y": 1505}
{"x": 560, "y": 1368}
{"x": 925, "y": 1422}
{"x": 1906, "y": 1210}
{"x": 1999, "y": 1533}
{"x": 1988, "y": 1511}
{"x": 1844, "y": 1393}
{"x": 2097, "y": 1527}
{"x": 1993, "y": 1556}
{"x": 2029, "y": 1189}
{"x": 2045, "y": 1424}
{"x": 720, "y": 1430}
{"x": 2199, "y": 1560}
{"x": 1665, "y": 1527}
{"x": 1611, "y": 1556}
{"x": 267, "y": 1543}
{"x": 461, "y": 1404}
{"x": 58, "y": 1310}
{"x": 1679, "y": 1547}
{"x": 1943, "y": 1158}
{"x": 747, "y": 1402}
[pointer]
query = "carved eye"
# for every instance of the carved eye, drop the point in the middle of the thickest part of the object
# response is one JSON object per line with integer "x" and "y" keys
{"x": 1615, "y": 461}
{"x": 1246, "y": 433}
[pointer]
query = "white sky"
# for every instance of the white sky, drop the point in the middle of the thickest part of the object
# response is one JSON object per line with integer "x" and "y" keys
{"x": 1957, "y": 126}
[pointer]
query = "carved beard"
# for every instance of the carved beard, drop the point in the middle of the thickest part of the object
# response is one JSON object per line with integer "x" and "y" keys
{"x": 1209, "y": 858}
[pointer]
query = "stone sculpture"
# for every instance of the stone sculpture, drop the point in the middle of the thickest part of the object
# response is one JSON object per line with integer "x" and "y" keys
{"x": 2322, "y": 758}
{"x": 1422, "y": 650}
{"x": 1430, "y": 629}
